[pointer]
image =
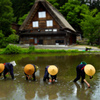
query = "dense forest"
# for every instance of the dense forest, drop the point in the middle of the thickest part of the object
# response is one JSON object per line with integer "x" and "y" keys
{"x": 83, "y": 15}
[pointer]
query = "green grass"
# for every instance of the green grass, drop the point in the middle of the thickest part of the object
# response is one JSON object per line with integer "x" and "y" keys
{"x": 39, "y": 51}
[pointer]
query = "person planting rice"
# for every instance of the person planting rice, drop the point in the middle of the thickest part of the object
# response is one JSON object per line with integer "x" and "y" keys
{"x": 29, "y": 71}
{"x": 83, "y": 69}
{"x": 50, "y": 73}
{"x": 7, "y": 67}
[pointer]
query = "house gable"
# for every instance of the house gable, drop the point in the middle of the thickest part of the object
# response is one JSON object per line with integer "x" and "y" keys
{"x": 42, "y": 21}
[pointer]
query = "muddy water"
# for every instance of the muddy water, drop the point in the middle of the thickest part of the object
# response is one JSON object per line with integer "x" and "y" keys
{"x": 64, "y": 89}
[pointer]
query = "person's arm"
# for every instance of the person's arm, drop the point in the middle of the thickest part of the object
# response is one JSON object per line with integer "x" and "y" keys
{"x": 87, "y": 83}
{"x": 27, "y": 77}
{"x": 4, "y": 73}
{"x": 33, "y": 76}
{"x": 54, "y": 78}
{"x": 46, "y": 74}
{"x": 0, "y": 74}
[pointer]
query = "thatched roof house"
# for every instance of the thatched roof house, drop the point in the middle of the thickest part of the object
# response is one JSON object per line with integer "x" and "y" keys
{"x": 46, "y": 25}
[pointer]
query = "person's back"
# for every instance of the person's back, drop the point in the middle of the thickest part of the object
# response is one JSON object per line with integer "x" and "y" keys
{"x": 8, "y": 68}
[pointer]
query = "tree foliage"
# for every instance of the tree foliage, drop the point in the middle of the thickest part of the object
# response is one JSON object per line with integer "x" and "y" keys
{"x": 13, "y": 38}
{"x": 21, "y": 7}
{"x": 54, "y": 3}
{"x": 6, "y": 16}
{"x": 21, "y": 19}
{"x": 91, "y": 26}
{"x": 72, "y": 12}
{"x": 3, "y": 40}
{"x": 93, "y": 4}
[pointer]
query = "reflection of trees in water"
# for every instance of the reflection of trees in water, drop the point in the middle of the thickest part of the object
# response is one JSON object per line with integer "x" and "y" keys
{"x": 30, "y": 89}
{"x": 11, "y": 57}
{"x": 56, "y": 91}
{"x": 48, "y": 90}
{"x": 35, "y": 91}
{"x": 26, "y": 60}
{"x": 44, "y": 91}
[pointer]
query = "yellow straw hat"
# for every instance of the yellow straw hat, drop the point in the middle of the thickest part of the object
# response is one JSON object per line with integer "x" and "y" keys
{"x": 1, "y": 67}
{"x": 89, "y": 70}
{"x": 52, "y": 70}
{"x": 29, "y": 69}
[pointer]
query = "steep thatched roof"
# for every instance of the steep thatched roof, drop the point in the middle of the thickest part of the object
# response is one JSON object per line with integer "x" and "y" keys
{"x": 57, "y": 16}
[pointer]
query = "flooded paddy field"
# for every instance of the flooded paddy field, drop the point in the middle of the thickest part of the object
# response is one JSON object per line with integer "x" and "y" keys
{"x": 64, "y": 89}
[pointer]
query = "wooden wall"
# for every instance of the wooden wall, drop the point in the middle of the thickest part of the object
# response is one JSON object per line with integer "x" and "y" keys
{"x": 42, "y": 21}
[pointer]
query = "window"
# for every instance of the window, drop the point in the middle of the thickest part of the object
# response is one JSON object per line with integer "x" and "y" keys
{"x": 35, "y": 24}
{"x": 40, "y": 41}
{"x": 46, "y": 30}
{"x": 42, "y": 14}
{"x": 54, "y": 30}
{"x": 49, "y": 23}
{"x": 50, "y": 30}
{"x": 59, "y": 41}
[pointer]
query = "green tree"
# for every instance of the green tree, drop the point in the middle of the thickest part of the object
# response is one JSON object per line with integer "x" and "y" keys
{"x": 6, "y": 16}
{"x": 21, "y": 19}
{"x": 54, "y": 3}
{"x": 3, "y": 40}
{"x": 95, "y": 4}
{"x": 91, "y": 26}
{"x": 61, "y": 2}
{"x": 21, "y": 7}
{"x": 72, "y": 12}
{"x": 13, "y": 38}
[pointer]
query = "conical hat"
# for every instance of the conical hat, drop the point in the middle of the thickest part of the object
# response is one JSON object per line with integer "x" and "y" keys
{"x": 89, "y": 70}
{"x": 29, "y": 69}
{"x": 52, "y": 70}
{"x": 1, "y": 67}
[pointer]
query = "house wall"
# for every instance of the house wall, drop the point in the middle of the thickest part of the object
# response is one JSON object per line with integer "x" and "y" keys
{"x": 47, "y": 40}
{"x": 72, "y": 39}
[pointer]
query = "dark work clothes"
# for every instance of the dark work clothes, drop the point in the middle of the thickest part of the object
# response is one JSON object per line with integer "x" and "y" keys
{"x": 34, "y": 78}
{"x": 0, "y": 74}
{"x": 47, "y": 75}
{"x": 8, "y": 68}
{"x": 80, "y": 73}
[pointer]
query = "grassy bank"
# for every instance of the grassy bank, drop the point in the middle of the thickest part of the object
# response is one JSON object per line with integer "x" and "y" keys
{"x": 13, "y": 49}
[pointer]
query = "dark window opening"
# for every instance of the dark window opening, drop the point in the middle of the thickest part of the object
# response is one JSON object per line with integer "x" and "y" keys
{"x": 40, "y": 42}
{"x": 59, "y": 41}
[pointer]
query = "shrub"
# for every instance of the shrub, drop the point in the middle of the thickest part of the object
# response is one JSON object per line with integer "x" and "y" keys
{"x": 31, "y": 48}
{"x": 12, "y": 49}
{"x": 13, "y": 38}
{"x": 3, "y": 40}
{"x": 77, "y": 42}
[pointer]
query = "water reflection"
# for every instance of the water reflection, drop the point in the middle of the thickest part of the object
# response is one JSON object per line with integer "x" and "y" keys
{"x": 30, "y": 90}
{"x": 7, "y": 87}
{"x": 64, "y": 89}
{"x": 80, "y": 90}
